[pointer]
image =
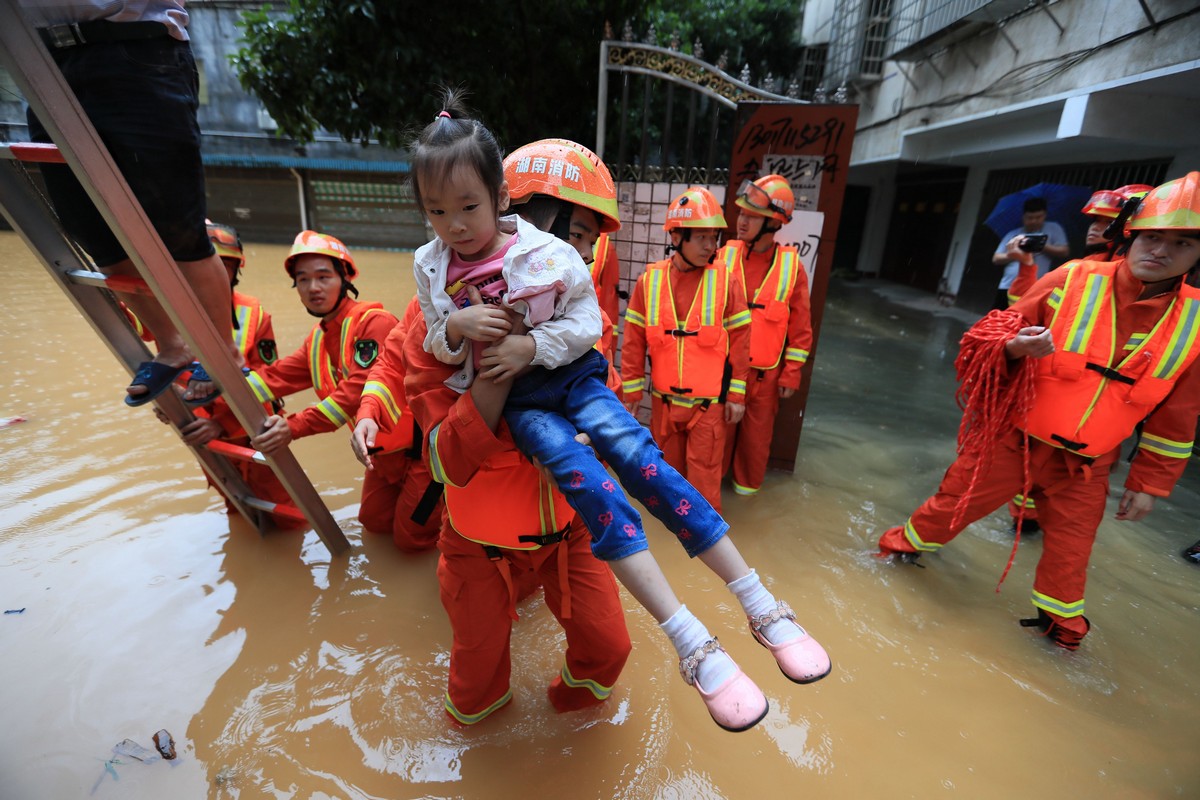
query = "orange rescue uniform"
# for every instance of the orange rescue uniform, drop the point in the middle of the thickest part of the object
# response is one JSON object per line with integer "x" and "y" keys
{"x": 399, "y": 495}
{"x": 780, "y": 342}
{"x": 503, "y": 521}
{"x": 1121, "y": 335}
{"x": 695, "y": 327}
{"x": 334, "y": 361}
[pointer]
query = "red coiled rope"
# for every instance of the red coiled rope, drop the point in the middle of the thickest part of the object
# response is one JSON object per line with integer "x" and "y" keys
{"x": 994, "y": 394}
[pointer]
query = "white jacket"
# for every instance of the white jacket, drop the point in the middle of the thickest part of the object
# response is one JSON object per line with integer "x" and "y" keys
{"x": 574, "y": 329}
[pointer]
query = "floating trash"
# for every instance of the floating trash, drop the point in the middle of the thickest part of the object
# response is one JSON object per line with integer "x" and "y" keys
{"x": 129, "y": 747}
{"x": 15, "y": 611}
{"x": 165, "y": 744}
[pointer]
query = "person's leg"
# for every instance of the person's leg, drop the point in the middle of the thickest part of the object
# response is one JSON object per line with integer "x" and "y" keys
{"x": 755, "y": 431}
{"x": 597, "y": 639}
{"x": 476, "y": 599}
{"x": 380, "y": 490}
{"x": 1070, "y": 517}
{"x": 704, "y": 447}
{"x": 929, "y": 527}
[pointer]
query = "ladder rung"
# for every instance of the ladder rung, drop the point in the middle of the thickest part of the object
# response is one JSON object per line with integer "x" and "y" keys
{"x": 274, "y": 508}
{"x": 118, "y": 283}
{"x": 33, "y": 153}
{"x": 230, "y": 450}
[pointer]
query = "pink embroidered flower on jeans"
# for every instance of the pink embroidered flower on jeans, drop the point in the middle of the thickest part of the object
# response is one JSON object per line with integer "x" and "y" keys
{"x": 576, "y": 479}
{"x": 608, "y": 486}
{"x": 683, "y": 508}
{"x": 630, "y": 531}
{"x": 649, "y": 471}
{"x": 606, "y": 518}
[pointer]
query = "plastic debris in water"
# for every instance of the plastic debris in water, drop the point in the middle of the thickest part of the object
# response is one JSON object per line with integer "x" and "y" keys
{"x": 15, "y": 611}
{"x": 6, "y": 421}
{"x": 165, "y": 744}
{"x": 130, "y": 748}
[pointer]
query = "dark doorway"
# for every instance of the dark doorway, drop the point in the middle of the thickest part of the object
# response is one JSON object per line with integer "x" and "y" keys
{"x": 922, "y": 227}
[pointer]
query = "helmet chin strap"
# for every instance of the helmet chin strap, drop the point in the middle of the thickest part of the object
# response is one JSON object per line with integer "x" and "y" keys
{"x": 347, "y": 288}
{"x": 763, "y": 231}
{"x": 686, "y": 234}
{"x": 561, "y": 227}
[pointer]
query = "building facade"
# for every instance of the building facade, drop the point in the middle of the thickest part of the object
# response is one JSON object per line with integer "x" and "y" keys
{"x": 964, "y": 101}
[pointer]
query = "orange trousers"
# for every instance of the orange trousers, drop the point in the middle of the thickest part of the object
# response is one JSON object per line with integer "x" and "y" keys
{"x": 693, "y": 442}
{"x": 748, "y": 443}
{"x": 479, "y": 594}
{"x": 393, "y": 492}
{"x": 1069, "y": 492}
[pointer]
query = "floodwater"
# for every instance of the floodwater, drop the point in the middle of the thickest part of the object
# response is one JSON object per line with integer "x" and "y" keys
{"x": 283, "y": 674}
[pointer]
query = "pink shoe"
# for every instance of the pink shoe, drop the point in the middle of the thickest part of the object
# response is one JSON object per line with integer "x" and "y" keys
{"x": 801, "y": 660}
{"x": 737, "y": 704}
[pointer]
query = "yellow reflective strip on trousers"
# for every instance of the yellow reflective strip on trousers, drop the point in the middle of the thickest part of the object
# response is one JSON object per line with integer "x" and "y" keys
{"x": 1084, "y": 323}
{"x": 1183, "y": 338}
{"x": 1055, "y": 606}
{"x": 471, "y": 719}
{"x": 598, "y": 690}
{"x": 1165, "y": 447}
{"x": 916, "y": 541}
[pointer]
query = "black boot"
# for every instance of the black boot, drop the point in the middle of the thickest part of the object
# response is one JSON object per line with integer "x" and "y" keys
{"x": 1192, "y": 554}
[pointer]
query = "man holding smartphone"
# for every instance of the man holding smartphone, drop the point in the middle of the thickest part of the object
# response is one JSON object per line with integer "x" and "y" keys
{"x": 1019, "y": 244}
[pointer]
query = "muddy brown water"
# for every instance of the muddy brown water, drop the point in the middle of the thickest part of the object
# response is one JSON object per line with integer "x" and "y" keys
{"x": 283, "y": 674}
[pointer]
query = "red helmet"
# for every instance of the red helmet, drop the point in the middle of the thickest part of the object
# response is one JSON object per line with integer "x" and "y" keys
{"x": 770, "y": 196}
{"x": 566, "y": 170}
{"x": 1108, "y": 202}
{"x": 320, "y": 244}
{"x": 695, "y": 208}
{"x": 1173, "y": 206}
{"x": 226, "y": 241}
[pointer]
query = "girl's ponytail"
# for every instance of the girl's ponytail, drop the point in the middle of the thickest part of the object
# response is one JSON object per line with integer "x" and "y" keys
{"x": 452, "y": 139}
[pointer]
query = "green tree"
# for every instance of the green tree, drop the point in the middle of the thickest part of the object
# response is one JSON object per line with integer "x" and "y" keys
{"x": 371, "y": 68}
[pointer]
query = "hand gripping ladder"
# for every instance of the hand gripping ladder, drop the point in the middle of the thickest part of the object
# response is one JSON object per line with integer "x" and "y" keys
{"x": 38, "y": 77}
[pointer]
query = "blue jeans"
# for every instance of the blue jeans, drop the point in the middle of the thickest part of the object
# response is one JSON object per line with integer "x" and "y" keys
{"x": 547, "y": 408}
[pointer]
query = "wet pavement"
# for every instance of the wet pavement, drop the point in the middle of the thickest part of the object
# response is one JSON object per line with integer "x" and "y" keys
{"x": 280, "y": 673}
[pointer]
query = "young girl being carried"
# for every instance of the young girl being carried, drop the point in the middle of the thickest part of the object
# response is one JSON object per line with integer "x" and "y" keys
{"x": 484, "y": 281}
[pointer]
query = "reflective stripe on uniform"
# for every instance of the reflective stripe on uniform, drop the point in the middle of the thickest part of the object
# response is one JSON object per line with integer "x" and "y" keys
{"x": 916, "y": 541}
{"x": 796, "y": 354}
{"x": 260, "y": 388}
{"x": 1055, "y": 606}
{"x": 599, "y": 691}
{"x": 471, "y": 719}
{"x": 1023, "y": 501}
{"x": 333, "y": 412}
{"x": 1165, "y": 447}
{"x": 383, "y": 394}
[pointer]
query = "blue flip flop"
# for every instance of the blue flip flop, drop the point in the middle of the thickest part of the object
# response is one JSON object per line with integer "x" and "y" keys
{"x": 156, "y": 377}
{"x": 199, "y": 374}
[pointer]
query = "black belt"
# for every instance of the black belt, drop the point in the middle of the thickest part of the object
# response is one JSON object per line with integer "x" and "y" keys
{"x": 59, "y": 36}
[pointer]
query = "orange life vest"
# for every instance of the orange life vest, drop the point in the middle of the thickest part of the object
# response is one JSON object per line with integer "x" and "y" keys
{"x": 1090, "y": 403}
{"x": 770, "y": 303}
{"x": 687, "y": 355}
{"x": 507, "y": 503}
{"x": 600, "y": 257}
{"x": 325, "y": 376}
{"x": 249, "y": 315}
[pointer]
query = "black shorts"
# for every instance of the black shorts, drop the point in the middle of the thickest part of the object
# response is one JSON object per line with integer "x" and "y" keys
{"x": 142, "y": 98}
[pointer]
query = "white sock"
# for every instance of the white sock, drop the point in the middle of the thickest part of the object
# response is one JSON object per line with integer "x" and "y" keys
{"x": 688, "y": 634}
{"x": 756, "y": 601}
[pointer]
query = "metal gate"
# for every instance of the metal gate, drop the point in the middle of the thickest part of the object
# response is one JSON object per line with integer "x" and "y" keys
{"x": 683, "y": 110}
